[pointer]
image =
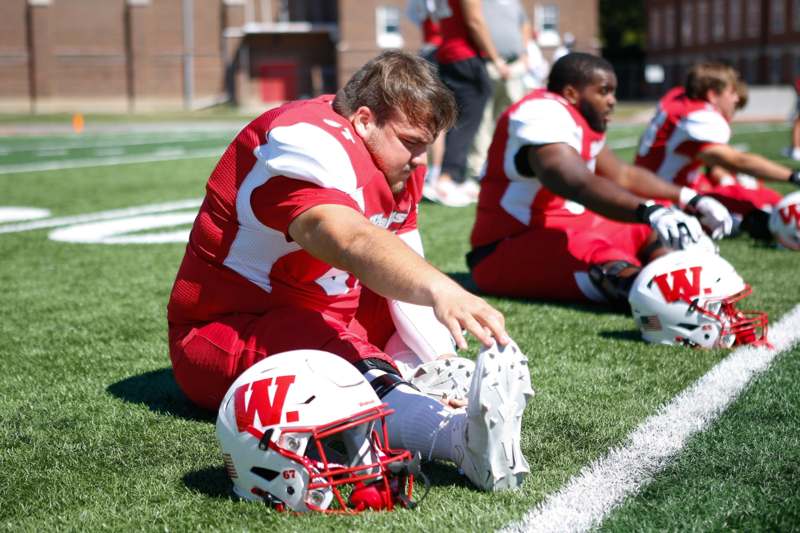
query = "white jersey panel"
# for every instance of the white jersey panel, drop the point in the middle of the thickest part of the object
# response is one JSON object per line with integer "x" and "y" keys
{"x": 328, "y": 165}
{"x": 518, "y": 198}
{"x": 706, "y": 126}
{"x": 256, "y": 247}
{"x": 537, "y": 122}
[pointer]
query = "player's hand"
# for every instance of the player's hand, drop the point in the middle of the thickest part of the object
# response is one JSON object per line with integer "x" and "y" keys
{"x": 794, "y": 177}
{"x": 675, "y": 229}
{"x": 713, "y": 216}
{"x": 461, "y": 311}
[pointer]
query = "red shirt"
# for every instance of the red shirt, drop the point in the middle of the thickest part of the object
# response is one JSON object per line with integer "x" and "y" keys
{"x": 240, "y": 257}
{"x": 456, "y": 43}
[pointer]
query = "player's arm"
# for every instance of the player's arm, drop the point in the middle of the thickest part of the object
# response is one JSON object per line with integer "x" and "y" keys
{"x": 637, "y": 180}
{"x": 561, "y": 169}
{"x": 479, "y": 32}
{"x": 640, "y": 181}
{"x": 733, "y": 160}
{"x": 343, "y": 238}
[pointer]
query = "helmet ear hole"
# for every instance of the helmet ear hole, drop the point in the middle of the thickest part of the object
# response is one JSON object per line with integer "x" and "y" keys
{"x": 266, "y": 473}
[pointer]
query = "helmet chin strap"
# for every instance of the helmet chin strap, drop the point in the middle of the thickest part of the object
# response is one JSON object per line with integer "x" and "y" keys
{"x": 384, "y": 494}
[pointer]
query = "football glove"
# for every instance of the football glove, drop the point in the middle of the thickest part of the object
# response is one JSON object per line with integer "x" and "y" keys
{"x": 713, "y": 216}
{"x": 674, "y": 228}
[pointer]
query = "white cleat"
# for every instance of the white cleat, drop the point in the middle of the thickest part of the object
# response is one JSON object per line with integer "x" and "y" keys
{"x": 444, "y": 379}
{"x": 490, "y": 452}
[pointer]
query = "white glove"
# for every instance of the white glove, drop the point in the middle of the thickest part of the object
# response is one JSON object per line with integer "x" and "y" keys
{"x": 675, "y": 229}
{"x": 714, "y": 217}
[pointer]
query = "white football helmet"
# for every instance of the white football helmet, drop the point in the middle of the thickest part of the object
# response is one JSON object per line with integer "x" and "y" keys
{"x": 784, "y": 221}
{"x": 688, "y": 298}
{"x": 304, "y": 431}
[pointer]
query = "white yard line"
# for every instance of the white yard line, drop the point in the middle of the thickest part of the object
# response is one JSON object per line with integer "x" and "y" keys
{"x": 170, "y": 155}
{"x": 101, "y": 215}
{"x": 592, "y": 494}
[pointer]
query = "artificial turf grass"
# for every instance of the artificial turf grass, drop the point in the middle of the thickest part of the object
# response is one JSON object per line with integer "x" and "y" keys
{"x": 98, "y": 436}
{"x": 741, "y": 474}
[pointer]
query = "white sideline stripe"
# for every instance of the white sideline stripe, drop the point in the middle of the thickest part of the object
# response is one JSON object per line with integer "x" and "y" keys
{"x": 100, "y": 215}
{"x": 111, "y": 161}
{"x": 589, "y": 496}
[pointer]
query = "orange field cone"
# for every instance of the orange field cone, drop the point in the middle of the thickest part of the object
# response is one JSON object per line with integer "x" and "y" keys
{"x": 77, "y": 122}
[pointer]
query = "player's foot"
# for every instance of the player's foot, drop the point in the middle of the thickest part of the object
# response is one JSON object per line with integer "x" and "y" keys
{"x": 451, "y": 194}
{"x": 488, "y": 451}
{"x": 792, "y": 152}
{"x": 444, "y": 379}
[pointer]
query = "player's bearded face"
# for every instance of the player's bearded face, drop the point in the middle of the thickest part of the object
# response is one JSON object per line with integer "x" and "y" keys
{"x": 597, "y": 100}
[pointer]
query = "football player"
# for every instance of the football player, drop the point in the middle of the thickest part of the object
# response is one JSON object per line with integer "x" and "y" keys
{"x": 307, "y": 239}
{"x": 559, "y": 215}
{"x": 691, "y": 131}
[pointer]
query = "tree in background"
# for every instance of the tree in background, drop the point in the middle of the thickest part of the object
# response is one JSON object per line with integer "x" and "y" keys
{"x": 623, "y": 31}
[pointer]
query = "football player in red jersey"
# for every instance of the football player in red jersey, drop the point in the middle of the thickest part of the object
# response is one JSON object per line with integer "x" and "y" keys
{"x": 691, "y": 131}
{"x": 307, "y": 239}
{"x": 559, "y": 215}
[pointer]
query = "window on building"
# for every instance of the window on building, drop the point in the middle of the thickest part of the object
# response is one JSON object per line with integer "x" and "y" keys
{"x": 655, "y": 28}
{"x": 387, "y": 27}
{"x": 753, "y": 20}
{"x": 669, "y": 26}
{"x": 775, "y": 69}
{"x": 734, "y": 19}
{"x": 687, "y": 23}
{"x": 717, "y": 20}
{"x": 702, "y": 21}
{"x": 547, "y": 24}
{"x": 777, "y": 17}
{"x": 796, "y": 15}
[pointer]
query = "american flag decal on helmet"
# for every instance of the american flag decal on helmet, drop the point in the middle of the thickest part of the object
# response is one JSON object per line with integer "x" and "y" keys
{"x": 651, "y": 323}
{"x": 229, "y": 468}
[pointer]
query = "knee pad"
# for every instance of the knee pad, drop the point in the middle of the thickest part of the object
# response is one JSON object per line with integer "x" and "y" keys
{"x": 608, "y": 280}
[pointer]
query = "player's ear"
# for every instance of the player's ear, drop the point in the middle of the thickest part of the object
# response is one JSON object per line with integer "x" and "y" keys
{"x": 570, "y": 93}
{"x": 363, "y": 119}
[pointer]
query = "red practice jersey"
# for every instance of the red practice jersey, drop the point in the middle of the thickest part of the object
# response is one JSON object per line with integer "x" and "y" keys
{"x": 240, "y": 257}
{"x": 456, "y": 44}
{"x": 680, "y": 129}
{"x": 510, "y": 202}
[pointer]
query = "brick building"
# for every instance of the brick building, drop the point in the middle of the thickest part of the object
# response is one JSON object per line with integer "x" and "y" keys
{"x": 138, "y": 55}
{"x": 761, "y": 38}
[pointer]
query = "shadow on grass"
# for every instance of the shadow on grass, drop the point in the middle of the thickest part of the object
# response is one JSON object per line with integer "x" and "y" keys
{"x": 211, "y": 481}
{"x": 626, "y": 335}
{"x": 159, "y": 392}
{"x": 465, "y": 280}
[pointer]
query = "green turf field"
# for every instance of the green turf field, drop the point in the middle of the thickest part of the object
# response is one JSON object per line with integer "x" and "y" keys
{"x": 95, "y": 435}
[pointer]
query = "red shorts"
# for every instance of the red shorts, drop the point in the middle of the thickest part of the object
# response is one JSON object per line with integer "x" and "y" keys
{"x": 551, "y": 261}
{"x": 207, "y": 358}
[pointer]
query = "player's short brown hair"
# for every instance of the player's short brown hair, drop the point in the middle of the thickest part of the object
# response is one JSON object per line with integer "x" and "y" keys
{"x": 399, "y": 81}
{"x": 743, "y": 92}
{"x": 713, "y": 76}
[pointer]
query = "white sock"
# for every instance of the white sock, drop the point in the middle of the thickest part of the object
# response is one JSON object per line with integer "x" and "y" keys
{"x": 419, "y": 423}
{"x": 796, "y": 152}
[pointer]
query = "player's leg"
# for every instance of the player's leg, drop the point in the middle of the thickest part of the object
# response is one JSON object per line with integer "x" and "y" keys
{"x": 483, "y": 439}
{"x": 549, "y": 263}
{"x": 206, "y": 359}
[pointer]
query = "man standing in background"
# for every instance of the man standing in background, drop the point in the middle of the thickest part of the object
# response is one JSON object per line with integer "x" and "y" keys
{"x": 466, "y": 48}
{"x": 510, "y": 31}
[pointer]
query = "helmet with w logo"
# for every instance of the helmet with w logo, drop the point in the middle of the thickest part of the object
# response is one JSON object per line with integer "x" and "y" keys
{"x": 304, "y": 431}
{"x": 784, "y": 221}
{"x": 689, "y": 298}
